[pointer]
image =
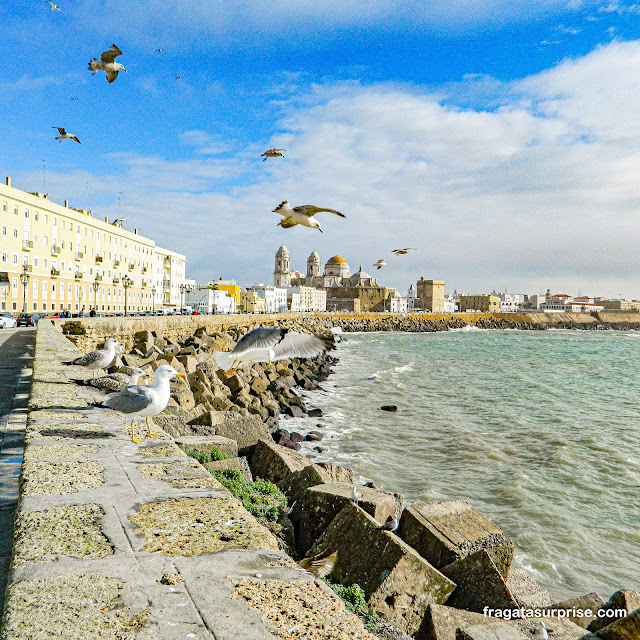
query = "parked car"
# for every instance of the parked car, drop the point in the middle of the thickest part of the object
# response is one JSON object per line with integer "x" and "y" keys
{"x": 7, "y": 321}
{"x": 28, "y": 319}
{"x": 55, "y": 316}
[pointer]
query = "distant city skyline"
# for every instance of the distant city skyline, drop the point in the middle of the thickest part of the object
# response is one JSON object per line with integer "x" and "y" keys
{"x": 502, "y": 139}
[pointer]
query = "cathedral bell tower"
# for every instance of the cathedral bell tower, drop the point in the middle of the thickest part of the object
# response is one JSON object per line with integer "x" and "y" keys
{"x": 282, "y": 272}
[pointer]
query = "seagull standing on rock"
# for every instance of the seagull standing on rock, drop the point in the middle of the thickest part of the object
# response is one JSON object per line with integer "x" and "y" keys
{"x": 302, "y": 214}
{"x": 355, "y": 494}
{"x": 265, "y": 344}
{"x": 98, "y": 359}
{"x": 107, "y": 63}
{"x": 541, "y": 632}
{"x": 64, "y": 135}
{"x": 141, "y": 400}
{"x": 391, "y": 524}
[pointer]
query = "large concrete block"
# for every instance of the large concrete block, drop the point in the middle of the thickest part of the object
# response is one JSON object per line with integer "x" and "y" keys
{"x": 208, "y": 443}
{"x": 591, "y": 602}
{"x": 441, "y": 622}
{"x": 495, "y": 631}
{"x": 322, "y": 503}
{"x": 527, "y": 592}
{"x": 622, "y": 629}
{"x": 444, "y": 532}
{"x": 273, "y": 462}
{"x": 623, "y": 600}
{"x": 245, "y": 430}
{"x": 238, "y": 464}
{"x": 479, "y": 584}
{"x": 396, "y": 581}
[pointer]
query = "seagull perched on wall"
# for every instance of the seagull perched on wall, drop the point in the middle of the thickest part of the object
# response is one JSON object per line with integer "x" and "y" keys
{"x": 391, "y": 524}
{"x": 141, "y": 400}
{"x": 98, "y": 359}
{"x": 320, "y": 566}
{"x": 302, "y": 214}
{"x": 273, "y": 153}
{"x": 401, "y": 252}
{"x": 107, "y": 63}
{"x": 64, "y": 135}
{"x": 541, "y": 632}
{"x": 381, "y": 263}
{"x": 265, "y": 344}
{"x": 112, "y": 382}
{"x": 355, "y": 494}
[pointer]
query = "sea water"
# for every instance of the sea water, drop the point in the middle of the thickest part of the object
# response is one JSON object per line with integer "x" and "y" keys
{"x": 538, "y": 430}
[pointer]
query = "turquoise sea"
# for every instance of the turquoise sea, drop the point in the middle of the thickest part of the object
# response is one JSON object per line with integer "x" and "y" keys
{"x": 539, "y": 430}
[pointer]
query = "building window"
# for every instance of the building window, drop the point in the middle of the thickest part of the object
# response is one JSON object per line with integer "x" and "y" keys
{"x": 15, "y": 210}
{"x": 62, "y": 245}
{"x": 15, "y": 258}
{"x": 36, "y": 215}
{"x": 14, "y": 285}
{"x": 26, "y": 213}
{"x": 4, "y": 207}
{"x": 55, "y": 221}
{"x": 35, "y": 306}
{"x": 4, "y": 231}
{"x": 35, "y": 238}
{"x": 14, "y": 306}
{"x": 35, "y": 261}
{"x": 44, "y": 240}
{"x": 44, "y": 262}
{"x": 15, "y": 233}
{"x": 63, "y": 224}
{"x": 44, "y": 306}
{"x": 4, "y": 257}
{"x": 35, "y": 288}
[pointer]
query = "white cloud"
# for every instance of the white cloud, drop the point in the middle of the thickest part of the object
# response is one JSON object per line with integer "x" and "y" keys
{"x": 538, "y": 191}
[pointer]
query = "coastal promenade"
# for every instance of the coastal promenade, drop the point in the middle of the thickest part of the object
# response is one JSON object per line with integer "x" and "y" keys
{"x": 16, "y": 355}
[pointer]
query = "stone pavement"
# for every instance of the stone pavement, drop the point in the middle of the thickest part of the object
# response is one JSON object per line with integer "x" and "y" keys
{"x": 16, "y": 354}
{"x": 115, "y": 539}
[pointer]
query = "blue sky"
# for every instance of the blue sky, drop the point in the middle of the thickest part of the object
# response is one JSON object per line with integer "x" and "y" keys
{"x": 500, "y": 138}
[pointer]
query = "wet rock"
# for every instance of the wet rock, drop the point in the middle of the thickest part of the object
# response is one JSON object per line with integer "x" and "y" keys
{"x": 296, "y": 437}
{"x": 389, "y": 407}
{"x": 622, "y": 629}
{"x": 441, "y": 622}
{"x": 397, "y": 582}
{"x": 591, "y": 601}
{"x": 527, "y": 592}
{"x": 294, "y": 411}
{"x": 319, "y": 449}
{"x": 314, "y": 413}
{"x": 314, "y": 436}
{"x": 291, "y": 444}
{"x": 623, "y": 600}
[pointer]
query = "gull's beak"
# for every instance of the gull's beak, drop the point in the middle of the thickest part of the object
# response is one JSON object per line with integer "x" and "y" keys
{"x": 181, "y": 375}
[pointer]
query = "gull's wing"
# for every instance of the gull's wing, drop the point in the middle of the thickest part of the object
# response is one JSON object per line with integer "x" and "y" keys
{"x": 89, "y": 358}
{"x": 61, "y": 130}
{"x": 302, "y": 345}
{"x": 287, "y": 223}
{"x": 311, "y": 210}
{"x": 260, "y": 338}
{"x": 114, "y": 382}
{"x": 111, "y": 75}
{"x": 76, "y": 139}
{"x": 111, "y": 54}
{"x": 130, "y": 400}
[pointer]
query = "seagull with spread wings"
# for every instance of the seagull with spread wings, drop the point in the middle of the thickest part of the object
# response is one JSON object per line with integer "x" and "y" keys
{"x": 55, "y": 7}
{"x": 64, "y": 135}
{"x": 265, "y": 344}
{"x": 107, "y": 63}
{"x": 118, "y": 221}
{"x": 302, "y": 214}
{"x": 401, "y": 252}
{"x": 141, "y": 400}
{"x": 381, "y": 263}
{"x": 273, "y": 153}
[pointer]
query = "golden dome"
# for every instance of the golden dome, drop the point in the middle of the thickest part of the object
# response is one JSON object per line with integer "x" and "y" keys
{"x": 336, "y": 260}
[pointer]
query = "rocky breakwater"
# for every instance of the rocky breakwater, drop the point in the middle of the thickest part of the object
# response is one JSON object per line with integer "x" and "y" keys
{"x": 438, "y": 572}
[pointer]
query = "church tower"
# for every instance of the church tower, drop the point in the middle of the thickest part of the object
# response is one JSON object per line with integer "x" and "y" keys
{"x": 314, "y": 265}
{"x": 282, "y": 273}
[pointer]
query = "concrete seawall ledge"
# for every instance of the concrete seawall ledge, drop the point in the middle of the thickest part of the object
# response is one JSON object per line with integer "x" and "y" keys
{"x": 113, "y": 541}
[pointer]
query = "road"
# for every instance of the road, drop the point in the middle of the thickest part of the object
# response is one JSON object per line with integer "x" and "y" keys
{"x": 16, "y": 355}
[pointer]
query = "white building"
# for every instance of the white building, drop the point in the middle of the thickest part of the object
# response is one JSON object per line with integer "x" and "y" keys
{"x": 210, "y": 301}
{"x": 169, "y": 279}
{"x": 397, "y": 303}
{"x": 275, "y": 298}
{"x": 450, "y": 304}
{"x": 411, "y": 298}
{"x": 319, "y": 300}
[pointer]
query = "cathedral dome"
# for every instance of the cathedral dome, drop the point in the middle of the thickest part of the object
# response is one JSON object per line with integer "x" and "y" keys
{"x": 336, "y": 260}
{"x": 314, "y": 257}
{"x": 283, "y": 251}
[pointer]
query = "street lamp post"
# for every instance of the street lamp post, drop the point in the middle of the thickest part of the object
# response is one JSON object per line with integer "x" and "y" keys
{"x": 184, "y": 288}
{"x": 24, "y": 278}
{"x": 153, "y": 299}
{"x": 126, "y": 283}
{"x": 95, "y": 286}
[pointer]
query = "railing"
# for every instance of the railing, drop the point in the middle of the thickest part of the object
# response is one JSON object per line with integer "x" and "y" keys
{"x": 166, "y": 284}
{"x": 78, "y": 275}
{"x": 55, "y": 272}
{"x": 55, "y": 249}
{"x": 144, "y": 269}
{"x": 98, "y": 258}
{"x": 98, "y": 278}
{"x": 132, "y": 267}
{"x": 116, "y": 263}
{"x": 144, "y": 283}
{"x": 27, "y": 245}
{"x": 116, "y": 280}
{"x": 29, "y": 268}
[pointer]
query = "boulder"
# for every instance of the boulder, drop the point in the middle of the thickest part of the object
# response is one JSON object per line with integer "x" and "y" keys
{"x": 273, "y": 462}
{"x": 314, "y": 436}
{"x": 588, "y": 604}
{"x": 245, "y": 429}
{"x": 479, "y": 584}
{"x": 314, "y": 413}
{"x": 184, "y": 398}
{"x": 441, "y": 622}
{"x": 389, "y": 407}
{"x": 396, "y": 581}
{"x": 444, "y": 532}
{"x": 622, "y": 629}
{"x": 175, "y": 426}
{"x": 189, "y": 363}
{"x": 494, "y": 631}
{"x": 623, "y": 600}
{"x": 259, "y": 386}
{"x": 559, "y": 628}
{"x": 322, "y": 503}
{"x": 238, "y": 464}
{"x": 208, "y": 444}
{"x": 527, "y": 592}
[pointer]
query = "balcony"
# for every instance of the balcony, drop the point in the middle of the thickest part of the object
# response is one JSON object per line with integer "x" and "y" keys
{"x": 145, "y": 283}
{"x": 29, "y": 268}
{"x": 98, "y": 278}
{"x": 116, "y": 263}
{"x": 132, "y": 267}
{"x": 27, "y": 245}
{"x": 144, "y": 269}
{"x": 99, "y": 258}
{"x": 55, "y": 250}
{"x": 79, "y": 255}
{"x": 166, "y": 284}
{"x": 78, "y": 275}
{"x": 54, "y": 272}
{"x": 116, "y": 280}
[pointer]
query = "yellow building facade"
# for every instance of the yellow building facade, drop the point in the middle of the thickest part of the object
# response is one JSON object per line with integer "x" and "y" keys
{"x": 486, "y": 303}
{"x": 251, "y": 302}
{"x": 55, "y": 258}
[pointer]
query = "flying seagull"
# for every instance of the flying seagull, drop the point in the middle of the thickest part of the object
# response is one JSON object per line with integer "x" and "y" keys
{"x": 141, "y": 400}
{"x": 273, "y": 153}
{"x": 159, "y": 50}
{"x": 265, "y": 344}
{"x": 179, "y": 78}
{"x": 381, "y": 263}
{"x": 64, "y": 135}
{"x": 74, "y": 99}
{"x": 541, "y": 632}
{"x": 320, "y": 566}
{"x": 113, "y": 381}
{"x": 118, "y": 221}
{"x": 55, "y": 7}
{"x": 98, "y": 359}
{"x": 107, "y": 63}
{"x": 302, "y": 214}
{"x": 401, "y": 252}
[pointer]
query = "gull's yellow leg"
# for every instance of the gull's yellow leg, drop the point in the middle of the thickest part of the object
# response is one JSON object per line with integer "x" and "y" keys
{"x": 234, "y": 366}
{"x": 133, "y": 438}
{"x": 151, "y": 435}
